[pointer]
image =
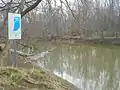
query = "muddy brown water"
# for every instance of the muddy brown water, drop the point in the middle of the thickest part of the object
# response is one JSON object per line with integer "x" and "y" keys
{"x": 89, "y": 67}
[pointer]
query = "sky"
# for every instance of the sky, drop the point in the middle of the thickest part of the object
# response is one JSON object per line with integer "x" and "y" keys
{"x": 58, "y": 1}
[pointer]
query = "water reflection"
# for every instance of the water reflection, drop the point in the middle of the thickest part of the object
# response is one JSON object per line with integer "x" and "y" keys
{"x": 87, "y": 67}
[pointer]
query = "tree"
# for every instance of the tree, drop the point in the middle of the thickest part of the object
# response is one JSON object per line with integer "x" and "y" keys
{"x": 17, "y": 6}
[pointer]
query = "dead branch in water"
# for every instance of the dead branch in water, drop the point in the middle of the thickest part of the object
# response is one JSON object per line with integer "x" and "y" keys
{"x": 20, "y": 53}
{"x": 29, "y": 56}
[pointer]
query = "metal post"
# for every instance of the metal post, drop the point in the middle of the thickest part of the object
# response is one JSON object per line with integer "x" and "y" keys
{"x": 13, "y": 55}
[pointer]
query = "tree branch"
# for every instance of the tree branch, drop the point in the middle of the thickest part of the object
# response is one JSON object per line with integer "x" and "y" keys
{"x": 30, "y": 8}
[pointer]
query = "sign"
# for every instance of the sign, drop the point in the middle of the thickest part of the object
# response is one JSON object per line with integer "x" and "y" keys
{"x": 14, "y": 26}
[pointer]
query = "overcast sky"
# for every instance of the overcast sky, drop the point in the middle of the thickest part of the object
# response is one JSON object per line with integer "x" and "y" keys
{"x": 58, "y": 1}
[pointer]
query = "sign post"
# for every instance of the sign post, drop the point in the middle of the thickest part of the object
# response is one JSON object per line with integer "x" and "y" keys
{"x": 14, "y": 33}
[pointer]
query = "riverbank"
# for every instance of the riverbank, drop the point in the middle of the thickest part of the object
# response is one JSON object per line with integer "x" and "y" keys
{"x": 78, "y": 40}
{"x": 107, "y": 40}
{"x": 28, "y": 79}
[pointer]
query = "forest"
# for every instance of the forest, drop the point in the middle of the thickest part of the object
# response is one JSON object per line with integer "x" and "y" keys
{"x": 61, "y": 18}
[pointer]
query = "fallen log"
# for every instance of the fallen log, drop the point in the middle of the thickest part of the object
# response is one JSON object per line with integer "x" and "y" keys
{"x": 30, "y": 56}
{"x": 33, "y": 56}
{"x": 21, "y": 53}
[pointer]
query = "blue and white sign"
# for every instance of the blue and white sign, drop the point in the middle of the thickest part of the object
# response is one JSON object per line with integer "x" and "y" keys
{"x": 14, "y": 26}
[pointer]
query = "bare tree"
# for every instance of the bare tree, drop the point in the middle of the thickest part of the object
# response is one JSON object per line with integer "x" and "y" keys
{"x": 17, "y": 6}
{"x": 87, "y": 18}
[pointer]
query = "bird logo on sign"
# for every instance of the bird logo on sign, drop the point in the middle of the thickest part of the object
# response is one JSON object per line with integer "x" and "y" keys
{"x": 16, "y": 23}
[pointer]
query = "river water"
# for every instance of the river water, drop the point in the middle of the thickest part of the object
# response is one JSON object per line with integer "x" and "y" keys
{"x": 89, "y": 67}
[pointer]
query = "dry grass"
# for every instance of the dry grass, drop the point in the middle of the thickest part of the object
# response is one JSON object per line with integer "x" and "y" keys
{"x": 24, "y": 79}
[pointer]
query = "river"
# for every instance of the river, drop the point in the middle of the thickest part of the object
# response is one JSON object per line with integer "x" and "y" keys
{"x": 89, "y": 67}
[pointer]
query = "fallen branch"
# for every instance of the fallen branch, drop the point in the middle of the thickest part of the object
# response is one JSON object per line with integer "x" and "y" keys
{"x": 24, "y": 45}
{"x": 30, "y": 81}
{"x": 30, "y": 48}
{"x": 30, "y": 57}
{"x": 33, "y": 56}
{"x": 21, "y": 53}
